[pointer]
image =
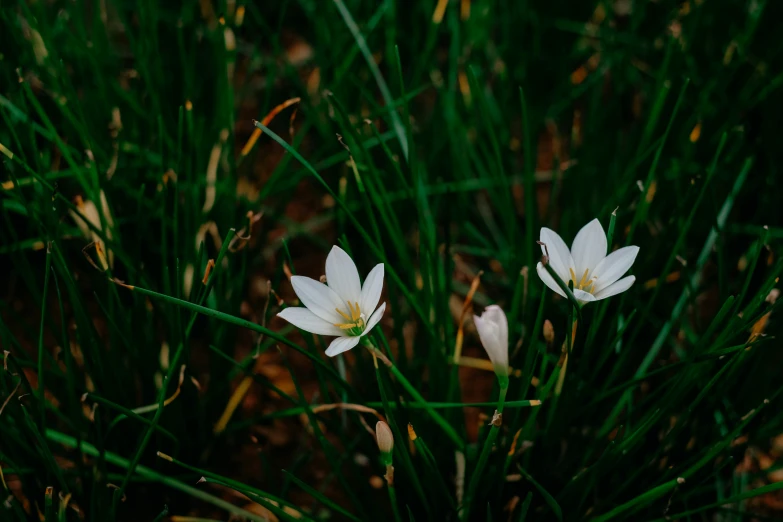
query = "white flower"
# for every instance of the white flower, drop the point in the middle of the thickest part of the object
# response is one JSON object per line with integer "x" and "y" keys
{"x": 343, "y": 309}
{"x": 595, "y": 275}
{"x": 492, "y": 328}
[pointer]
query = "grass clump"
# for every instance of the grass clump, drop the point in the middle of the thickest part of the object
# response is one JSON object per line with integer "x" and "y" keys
{"x": 168, "y": 168}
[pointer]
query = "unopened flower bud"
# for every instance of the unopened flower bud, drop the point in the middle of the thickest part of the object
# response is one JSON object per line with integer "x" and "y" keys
{"x": 549, "y": 332}
{"x": 384, "y": 437}
{"x": 492, "y": 328}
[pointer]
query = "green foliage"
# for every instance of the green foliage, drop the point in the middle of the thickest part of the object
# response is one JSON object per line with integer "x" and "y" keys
{"x": 438, "y": 147}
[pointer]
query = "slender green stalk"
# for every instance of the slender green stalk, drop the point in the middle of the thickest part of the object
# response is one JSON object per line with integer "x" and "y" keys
{"x": 393, "y": 501}
{"x": 49, "y": 505}
{"x": 437, "y": 417}
{"x": 497, "y": 422}
{"x": 460, "y": 405}
{"x": 230, "y": 483}
{"x": 570, "y": 334}
{"x": 38, "y": 437}
{"x": 237, "y": 321}
{"x": 391, "y": 417}
{"x": 642, "y": 207}
{"x": 163, "y": 514}
{"x": 320, "y": 497}
{"x": 525, "y": 506}
{"x": 518, "y": 302}
{"x": 290, "y": 412}
{"x": 173, "y": 367}
{"x": 565, "y": 288}
{"x": 399, "y": 129}
{"x": 432, "y": 470}
{"x": 150, "y": 474}
{"x": 41, "y": 381}
{"x": 528, "y": 184}
{"x": 129, "y": 414}
{"x": 610, "y": 231}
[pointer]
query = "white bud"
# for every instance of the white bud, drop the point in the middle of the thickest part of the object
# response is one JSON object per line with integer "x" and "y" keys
{"x": 492, "y": 328}
{"x": 384, "y": 437}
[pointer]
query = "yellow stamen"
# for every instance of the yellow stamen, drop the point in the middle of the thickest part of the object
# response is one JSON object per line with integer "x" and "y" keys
{"x": 583, "y": 281}
{"x": 354, "y": 320}
{"x": 354, "y": 313}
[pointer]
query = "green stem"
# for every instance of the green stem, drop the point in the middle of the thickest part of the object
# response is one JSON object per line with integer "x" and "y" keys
{"x": 49, "y": 505}
{"x": 41, "y": 385}
{"x": 488, "y": 444}
{"x": 242, "y": 323}
{"x": 433, "y": 472}
{"x": 150, "y": 474}
{"x": 570, "y": 334}
{"x": 402, "y": 455}
{"x": 393, "y": 501}
{"x": 452, "y": 434}
{"x": 451, "y": 405}
{"x": 277, "y": 503}
{"x": 569, "y": 346}
{"x": 529, "y": 180}
{"x": 173, "y": 366}
{"x": 565, "y": 288}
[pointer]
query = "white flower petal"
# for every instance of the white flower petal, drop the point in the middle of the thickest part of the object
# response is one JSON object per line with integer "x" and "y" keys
{"x": 306, "y": 320}
{"x": 496, "y": 315}
{"x": 374, "y": 318}
{"x": 371, "y": 291}
{"x": 615, "y": 288}
{"x": 589, "y": 248}
{"x": 487, "y": 333}
{"x": 319, "y": 298}
{"x": 559, "y": 255}
{"x": 584, "y": 297}
{"x": 548, "y": 279}
{"x": 613, "y": 267}
{"x": 342, "y": 276}
{"x": 492, "y": 328}
{"x": 341, "y": 344}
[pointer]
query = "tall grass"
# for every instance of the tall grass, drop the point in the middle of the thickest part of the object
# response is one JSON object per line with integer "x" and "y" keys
{"x": 150, "y": 228}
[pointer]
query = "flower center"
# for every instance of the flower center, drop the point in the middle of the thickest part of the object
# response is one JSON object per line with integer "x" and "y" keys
{"x": 584, "y": 283}
{"x": 354, "y": 324}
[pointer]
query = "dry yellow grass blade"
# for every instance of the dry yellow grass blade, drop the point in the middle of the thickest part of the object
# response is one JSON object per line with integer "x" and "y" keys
{"x": 440, "y": 10}
{"x": 265, "y": 122}
{"x": 465, "y": 307}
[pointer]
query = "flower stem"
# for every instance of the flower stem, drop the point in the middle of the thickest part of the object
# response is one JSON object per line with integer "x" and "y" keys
{"x": 569, "y": 348}
{"x": 497, "y": 421}
{"x": 569, "y": 292}
{"x": 437, "y": 417}
{"x": 393, "y": 501}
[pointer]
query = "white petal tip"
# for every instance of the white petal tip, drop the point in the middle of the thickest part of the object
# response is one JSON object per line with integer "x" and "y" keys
{"x": 336, "y": 248}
